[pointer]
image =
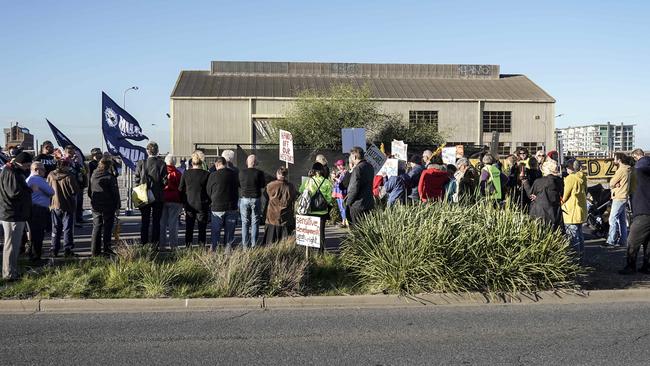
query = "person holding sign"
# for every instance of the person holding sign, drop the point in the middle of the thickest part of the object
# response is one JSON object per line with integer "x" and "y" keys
{"x": 280, "y": 220}
{"x": 316, "y": 198}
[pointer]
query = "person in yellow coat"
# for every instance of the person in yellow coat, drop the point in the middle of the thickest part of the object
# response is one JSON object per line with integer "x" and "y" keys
{"x": 574, "y": 205}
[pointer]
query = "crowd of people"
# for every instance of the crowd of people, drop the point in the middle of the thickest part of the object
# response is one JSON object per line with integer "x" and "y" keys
{"x": 46, "y": 192}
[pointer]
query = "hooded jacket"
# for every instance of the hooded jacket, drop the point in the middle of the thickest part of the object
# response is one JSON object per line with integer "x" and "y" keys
{"x": 65, "y": 186}
{"x": 104, "y": 191}
{"x": 574, "y": 209}
{"x": 620, "y": 182}
{"x": 15, "y": 195}
{"x": 641, "y": 197}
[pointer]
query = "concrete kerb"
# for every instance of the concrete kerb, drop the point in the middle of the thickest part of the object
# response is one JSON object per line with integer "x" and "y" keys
{"x": 314, "y": 302}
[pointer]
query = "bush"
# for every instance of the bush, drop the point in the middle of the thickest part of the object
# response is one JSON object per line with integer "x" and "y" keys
{"x": 442, "y": 247}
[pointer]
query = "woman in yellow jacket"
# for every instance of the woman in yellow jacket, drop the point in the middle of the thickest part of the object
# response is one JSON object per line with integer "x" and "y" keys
{"x": 574, "y": 205}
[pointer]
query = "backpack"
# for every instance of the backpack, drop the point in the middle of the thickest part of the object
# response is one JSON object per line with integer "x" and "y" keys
{"x": 317, "y": 202}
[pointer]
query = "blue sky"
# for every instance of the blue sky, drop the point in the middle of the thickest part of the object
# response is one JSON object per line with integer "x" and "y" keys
{"x": 57, "y": 57}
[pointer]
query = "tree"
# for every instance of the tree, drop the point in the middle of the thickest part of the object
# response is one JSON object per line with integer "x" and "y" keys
{"x": 317, "y": 117}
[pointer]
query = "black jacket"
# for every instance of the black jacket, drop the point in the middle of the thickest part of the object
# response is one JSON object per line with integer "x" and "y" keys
{"x": 251, "y": 181}
{"x": 15, "y": 195}
{"x": 155, "y": 175}
{"x": 547, "y": 190}
{"x": 641, "y": 195}
{"x": 193, "y": 190}
{"x": 223, "y": 188}
{"x": 104, "y": 191}
{"x": 49, "y": 163}
{"x": 360, "y": 190}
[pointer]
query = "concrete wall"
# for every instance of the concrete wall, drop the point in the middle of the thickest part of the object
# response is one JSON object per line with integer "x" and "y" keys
{"x": 217, "y": 120}
{"x": 203, "y": 120}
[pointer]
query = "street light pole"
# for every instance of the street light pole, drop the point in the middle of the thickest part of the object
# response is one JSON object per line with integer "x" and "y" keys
{"x": 129, "y": 173}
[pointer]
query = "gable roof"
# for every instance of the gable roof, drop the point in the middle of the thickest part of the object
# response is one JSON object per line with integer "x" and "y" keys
{"x": 287, "y": 85}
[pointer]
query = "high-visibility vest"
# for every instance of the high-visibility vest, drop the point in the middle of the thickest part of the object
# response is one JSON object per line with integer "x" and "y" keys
{"x": 494, "y": 179}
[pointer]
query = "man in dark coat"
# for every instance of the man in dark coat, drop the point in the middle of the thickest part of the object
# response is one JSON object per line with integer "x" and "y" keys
{"x": 359, "y": 200}
{"x": 223, "y": 189}
{"x": 15, "y": 210}
{"x": 105, "y": 201}
{"x": 640, "y": 228}
{"x": 152, "y": 171}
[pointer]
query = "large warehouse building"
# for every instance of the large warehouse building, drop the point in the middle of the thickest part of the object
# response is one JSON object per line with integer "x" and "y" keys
{"x": 234, "y": 102}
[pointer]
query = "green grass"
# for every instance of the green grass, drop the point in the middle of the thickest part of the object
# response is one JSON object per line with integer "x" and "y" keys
{"x": 138, "y": 272}
{"x": 443, "y": 247}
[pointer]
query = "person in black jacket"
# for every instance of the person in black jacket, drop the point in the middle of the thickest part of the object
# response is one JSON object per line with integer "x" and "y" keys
{"x": 222, "y": 187}
{"x": 105, "y": 201}
{"x": 640, "y": 228}
{"x": 359, "y": 200}
{"x": 195, "y": 200}
{"x": 152, "y": 171}
{"x": 545, "y": 195}
{"x": 15, "y": 210}
{"x": 252, "y": 181}
{"x": 47, "y": 157}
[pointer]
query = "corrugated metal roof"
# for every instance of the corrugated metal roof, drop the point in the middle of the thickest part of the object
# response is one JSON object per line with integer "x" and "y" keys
{"x": 204, "y": 84}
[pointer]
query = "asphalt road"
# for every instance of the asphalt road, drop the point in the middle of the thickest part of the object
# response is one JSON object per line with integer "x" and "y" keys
{"x": 594, "y": 334}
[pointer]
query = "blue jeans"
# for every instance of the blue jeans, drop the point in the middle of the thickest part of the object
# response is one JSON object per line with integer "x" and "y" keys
{"x": 617, "y": 223}
{"x": 226, "y": 220}
{"x": 62, "y": 225}
{"x": 341, "y": 204}
{"x": 574, "y": 233}
{"x": 250, "y": 212}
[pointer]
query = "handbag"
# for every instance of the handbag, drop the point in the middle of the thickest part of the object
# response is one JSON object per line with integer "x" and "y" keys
{"x": 142, "y": 194}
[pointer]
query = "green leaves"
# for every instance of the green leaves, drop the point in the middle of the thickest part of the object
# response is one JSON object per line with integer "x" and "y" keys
{"x": 442, "y": 247}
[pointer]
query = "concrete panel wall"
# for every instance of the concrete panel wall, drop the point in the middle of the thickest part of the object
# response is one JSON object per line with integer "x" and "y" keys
{"x": 196, "y": 121}
{"x": 531, "y": 122}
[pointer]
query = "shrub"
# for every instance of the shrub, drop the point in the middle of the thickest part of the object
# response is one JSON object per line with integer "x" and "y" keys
{"x": 454, "y": 248}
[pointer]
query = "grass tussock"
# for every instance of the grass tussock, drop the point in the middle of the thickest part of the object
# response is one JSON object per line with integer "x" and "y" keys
{"x": 454, "y": 248}
{"x": 137, "y": 271}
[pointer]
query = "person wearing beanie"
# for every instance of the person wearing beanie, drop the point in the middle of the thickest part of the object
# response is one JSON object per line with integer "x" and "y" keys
{"x": 15, "y": 210}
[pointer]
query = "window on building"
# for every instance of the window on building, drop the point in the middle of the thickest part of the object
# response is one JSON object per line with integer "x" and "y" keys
{"x": 499, "y": 121}
{"x": 504, "y": 148}
{"x": 423, "y": 118}
{"x": 532, "y": 146}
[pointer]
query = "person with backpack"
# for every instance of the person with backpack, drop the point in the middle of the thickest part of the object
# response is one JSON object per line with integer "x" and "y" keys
{"x": 492, "y": 180}
{"x": 316, "y": 198}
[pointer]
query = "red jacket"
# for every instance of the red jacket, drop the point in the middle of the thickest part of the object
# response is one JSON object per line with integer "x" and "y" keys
{"x": 377, "y": 183}
{"x": 171, "y": 192}
{"x": 432, "y": 184}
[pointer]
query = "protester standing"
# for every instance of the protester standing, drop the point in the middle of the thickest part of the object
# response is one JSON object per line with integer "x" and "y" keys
{"x": 172, "y": 205}
{"x": 546, "y": 194}
{"x": 222, "y": 187}
{"x": 492, "y": 181}
{"x": 41, "y": 198}
{"x": 78, "y": 170}
{"x": 466, "y": 181}
{"x": 195, "y": 200}
{"x": 619, "y": 186}
{"x": 320, "y": 158}
{"x": 341, "y": 179}
{"x": 15, "y": 210}
{"x": 104, "y": 201}
{"x": 640, "y": 229}
{"x": 319, "y": 187}
{"x": 397, "y": 186}
{"x": 432, "y": 183}
{"x": 280, "y": 217}
{"x": 359, "y": 200}
{"x": 574, "y": 205}
{"x": 64, "y": 204}
{"x": 47, "y": 157}
{"x": 414, "y": 171}
{"x": 251, "y": 181}
{"x": 153, "y": 172}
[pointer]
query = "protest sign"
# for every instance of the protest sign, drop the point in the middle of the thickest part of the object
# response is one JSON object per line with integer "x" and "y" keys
{"x": 286, "y": 146}
{"x": 375, "y": 157}
{"x": 351, "y": 137}
{"x": 390, "y": 167}
{"x": 449, "y": 155}
{"x": 399, "y": 150}
{"x": 308, "y": 231}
